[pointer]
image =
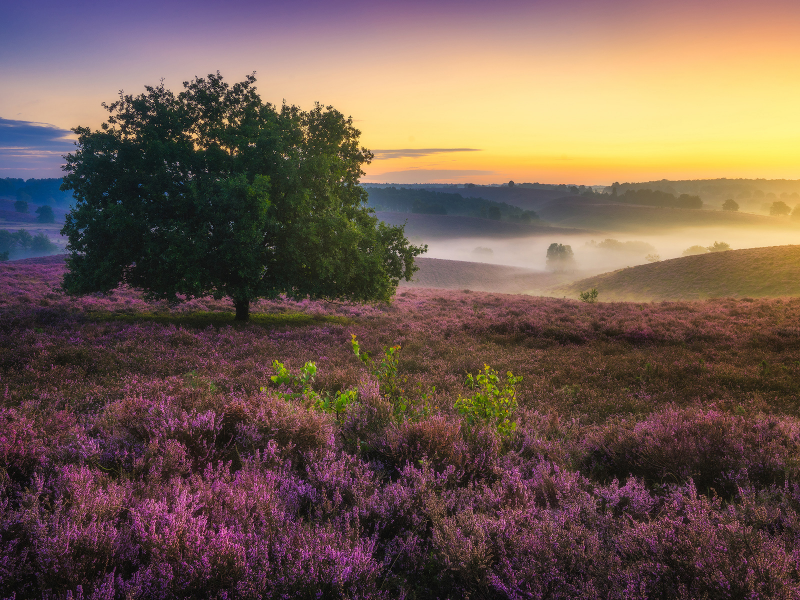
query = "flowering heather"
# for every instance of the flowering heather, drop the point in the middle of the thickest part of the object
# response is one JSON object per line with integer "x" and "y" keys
{"x": 145, "y": 451}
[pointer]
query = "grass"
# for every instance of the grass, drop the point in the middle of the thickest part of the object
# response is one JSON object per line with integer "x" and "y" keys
{"x": 756, "y": 273}
{"x": 201, "y": 319}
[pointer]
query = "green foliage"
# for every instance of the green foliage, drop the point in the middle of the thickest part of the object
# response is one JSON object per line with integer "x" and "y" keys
{"x": 444, "y": 203}
{"x": 45, "y": 214}
{"x": 202, "y": 319}
{"x": 589, "y": 296}
{"x": 779, "y": 209}
{"x": 730, "y": 205}
{"x": 694, "y": 250}
{"x": 560, "y": 256}
{"x": 718, "y": 247}
{"x": 335, "y": 403}
{"x": 22, "y": 242}
{"x": 21, "y": 206}
{"x": 493, "y": 403}
{"x": 385, "y": 371}
{"x": 649, "y": 197}
{"x": 213, "y": 192}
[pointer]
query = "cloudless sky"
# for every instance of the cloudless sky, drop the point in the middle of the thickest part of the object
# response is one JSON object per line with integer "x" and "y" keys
{"x": 574, "y": 91}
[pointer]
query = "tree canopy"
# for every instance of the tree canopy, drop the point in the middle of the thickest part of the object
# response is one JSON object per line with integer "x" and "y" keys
{"x": 560, "y": 256}
{"x": 213, "y": 192}
{"x": 730, "y": 205}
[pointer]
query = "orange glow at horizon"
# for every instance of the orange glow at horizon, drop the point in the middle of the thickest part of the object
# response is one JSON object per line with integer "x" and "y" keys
{"x": 576, "y": 91}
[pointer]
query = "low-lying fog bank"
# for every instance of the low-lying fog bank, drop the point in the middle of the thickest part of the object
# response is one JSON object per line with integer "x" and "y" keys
{"x": 598, "y": 257}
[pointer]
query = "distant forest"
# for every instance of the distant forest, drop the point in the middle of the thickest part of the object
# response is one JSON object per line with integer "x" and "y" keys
{"x": 39, "y": 191}
{"x": 751, "y": 194}
{"x": 649, "y": 197}
{"x": 441, "y": 203}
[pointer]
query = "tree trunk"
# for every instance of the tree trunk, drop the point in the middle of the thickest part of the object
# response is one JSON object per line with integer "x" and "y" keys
{"x": 242, "y": 310}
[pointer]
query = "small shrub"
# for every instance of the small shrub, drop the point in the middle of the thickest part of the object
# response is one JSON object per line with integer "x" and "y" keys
{"x": 493, "y": 403}
{"x": 335, "y": 403}
{"x": 589, "y": 296}
{"x": 385, "y": 372}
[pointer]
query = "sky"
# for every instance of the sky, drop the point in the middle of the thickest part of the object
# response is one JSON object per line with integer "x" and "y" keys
{"x": 560, "y": 91}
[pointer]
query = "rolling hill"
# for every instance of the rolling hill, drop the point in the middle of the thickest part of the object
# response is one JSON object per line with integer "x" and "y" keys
{"x": 755, "y": 272}
{"x": 449, "y": 226}
{"x": 482, "y": 277}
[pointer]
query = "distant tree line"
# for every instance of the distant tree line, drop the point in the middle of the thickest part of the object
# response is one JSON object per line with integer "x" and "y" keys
{"x": 632, "y": 246}
{"x": 715, "y": 247}
{"x": 441, "y": 203}
{"x": 44, "y": 214}
{"x": 656, "y": 198}
{"x": 22, "y": 243}
{"x": 39, "y": 191}
{"x": 751, "y": 194}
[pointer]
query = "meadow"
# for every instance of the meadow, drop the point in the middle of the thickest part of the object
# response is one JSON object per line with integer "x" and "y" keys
{"x": 650, "y": 450}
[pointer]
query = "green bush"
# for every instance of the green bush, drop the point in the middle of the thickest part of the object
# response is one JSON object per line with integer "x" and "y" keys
{"x": 493, "y": 403}
{"x": 385, "y": 372}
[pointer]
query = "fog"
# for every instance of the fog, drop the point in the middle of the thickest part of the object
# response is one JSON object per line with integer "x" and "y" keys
{"x": 531, "y": 252}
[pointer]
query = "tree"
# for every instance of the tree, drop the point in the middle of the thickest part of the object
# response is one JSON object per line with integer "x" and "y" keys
{"x": 694, "y": 250}
{"x": 796, "y": 213}
{"x": 779, "y": 209}
{"x": 21, "y": 206}
{"x": 560, "y": 257}
{"x": 730, "y": 205}
{"x": 45, "y": 214}
{"x": 213, "y": 192}
{"x": 719, "y": 247}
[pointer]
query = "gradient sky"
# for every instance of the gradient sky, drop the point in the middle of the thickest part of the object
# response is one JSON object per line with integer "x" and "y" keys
{"x": 574, "y": 91}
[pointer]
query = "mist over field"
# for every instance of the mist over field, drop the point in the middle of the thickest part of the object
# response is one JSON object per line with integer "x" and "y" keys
{"x": 531, "y": 252}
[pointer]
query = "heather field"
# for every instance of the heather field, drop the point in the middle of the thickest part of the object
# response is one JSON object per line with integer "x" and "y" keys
{"x": 649, "y": 450}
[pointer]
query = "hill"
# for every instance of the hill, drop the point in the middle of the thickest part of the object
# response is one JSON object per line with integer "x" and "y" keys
{"x": 447, "y": 226}
{"x": 522, "y": 197}
{"x": 461, "y": 275}
{"x": 754, "y": 272}
{"x": 601, "y": 213}
{"x": 422, "y": 201}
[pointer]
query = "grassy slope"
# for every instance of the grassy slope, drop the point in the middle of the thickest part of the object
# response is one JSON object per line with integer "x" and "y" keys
{"x": 754, "y": 272}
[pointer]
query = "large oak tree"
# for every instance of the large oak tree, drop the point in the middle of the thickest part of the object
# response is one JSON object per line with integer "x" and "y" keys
{"x": 213, "y": 192}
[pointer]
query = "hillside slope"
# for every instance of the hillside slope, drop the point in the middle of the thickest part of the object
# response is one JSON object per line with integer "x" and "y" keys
{"x": 465, "y": 275}
{"x": 754, "y": 272}
{"x": 448, "y": 226}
